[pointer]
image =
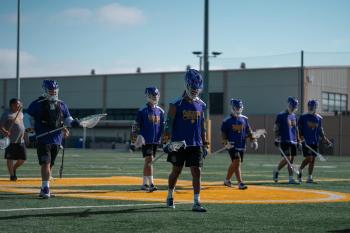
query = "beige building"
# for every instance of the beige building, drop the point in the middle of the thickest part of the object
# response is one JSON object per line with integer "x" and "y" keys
{"x": 264, "y": 93}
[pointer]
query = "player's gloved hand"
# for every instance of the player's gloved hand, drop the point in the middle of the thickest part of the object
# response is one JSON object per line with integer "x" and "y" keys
{"x": 329, "y": 144}
{"x": 228, "y": 145}
{"x": 75, "y": 123}
{"x": 254, "y": 144}
{"x": 277, "y": 142}
{"x": 6, "y": 133}
{"x": 205, "y": 149}
{"x": 167, "y": 148}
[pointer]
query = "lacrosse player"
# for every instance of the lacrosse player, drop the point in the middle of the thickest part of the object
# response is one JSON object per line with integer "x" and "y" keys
{"x": 235, "y": 129}
{"x": 287, "y": 138}
{"x": 11, "y": 125}
{"x": 186, "y": 122}
{"x": 43, "y": 115}
{"x": 149, "y": 129}
{"x": 310, "y": 130}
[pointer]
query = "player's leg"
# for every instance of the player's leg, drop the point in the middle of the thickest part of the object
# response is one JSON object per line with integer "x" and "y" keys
{"x": 312, "y": 164}
{"x": 306, "y": 161}
{"x": 21, "y": 157}
{"x": 291, "y": 157}
{"x": 281, "y": 163}
{"x": 237, "y": 165}
{"x": 9, "y": 156}
{"x": 9, "y": 163}
{"x": 177, "y": 159}
{"x": 152, "y": 186}
{"x": 194, "y": 160}
{"x": 147, "y": 155}
{"x": 231, "y": 169}
{"x": 172, "y": 180}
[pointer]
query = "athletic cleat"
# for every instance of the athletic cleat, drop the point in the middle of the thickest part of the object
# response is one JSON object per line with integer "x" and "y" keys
{"x": 45, "y": 193}
{"x": 197, "y": 207}
{"x": 228, "y": 183}
{"x": 13, "y": 178}
{"x": 310, "y": 181}
{"x": 152, "y": 188}
{"x": 275, "y": 175}
{"x": 292, "y": 181}
{"x": 170, "y": 203}
{"x": 242, "y": 186}
{"x": 145, "y": 187}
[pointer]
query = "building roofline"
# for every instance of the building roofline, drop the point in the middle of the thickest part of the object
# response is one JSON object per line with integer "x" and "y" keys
{"x": 179, "y": 72}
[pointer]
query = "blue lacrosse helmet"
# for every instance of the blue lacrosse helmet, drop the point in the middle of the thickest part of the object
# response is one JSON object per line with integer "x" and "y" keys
{"x": 292, "y": 104}
{"x": 312, "y": 105}
{"x": 152, "y": 95}
{"x": 236, "y": 106}
{"x": 51, "y": 89}
{"x": 193, "y": 83}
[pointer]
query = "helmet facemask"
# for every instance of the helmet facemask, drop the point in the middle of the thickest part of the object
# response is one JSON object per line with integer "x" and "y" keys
{"x": 152, "y": 95}
{"x": 292, "y": 105}
{"x": 312, "y": 106}
{"x": 192, "y": 93}
{"x": 152, "y": 99}
{"x": 236, "y": 107}
{"x": 51, "y": 89}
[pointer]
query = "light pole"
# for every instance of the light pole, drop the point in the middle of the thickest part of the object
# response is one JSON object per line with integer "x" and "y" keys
{"x": 199, "y": 54}
{"x": 17, "y": 60}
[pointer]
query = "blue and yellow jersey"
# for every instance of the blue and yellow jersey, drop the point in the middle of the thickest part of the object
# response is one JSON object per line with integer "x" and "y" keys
{"x": 236, "y": 130}
{"x": 286, "y": 127}
{"x": 310, "y": 127}
{"x": 188, "y": 121}
{"x": 150, "y": 121}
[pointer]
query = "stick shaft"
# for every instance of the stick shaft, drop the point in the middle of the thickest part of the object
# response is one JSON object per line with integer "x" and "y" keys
{"x": 318, "y": 154}
{"x": 50, "y": 132}
{"x": 285, "y": 157}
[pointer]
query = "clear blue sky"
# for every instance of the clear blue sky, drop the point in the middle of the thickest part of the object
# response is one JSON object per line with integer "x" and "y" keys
{"x": 116, "y": 36}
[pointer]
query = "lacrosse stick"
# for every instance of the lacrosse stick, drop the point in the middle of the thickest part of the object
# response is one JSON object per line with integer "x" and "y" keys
{"x": 5, "y": 142}
{"x": 62, "y": 161}
{"x": 92, "y": 120}
{"x": 295, "y": 170}
{"x": 318, "y": 155}
{"x": 140, "y": 141}
{"x": 50, "y": 132}
{"x": 174, "y": 146}
{"x": 259, "y": 133}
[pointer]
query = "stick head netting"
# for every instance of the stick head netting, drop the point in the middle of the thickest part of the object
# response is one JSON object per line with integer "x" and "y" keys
{"x": 259, "y": 133}
{"x": 140, "y": 141}
{"x": 92, "y": 120}
{"x": 4, "y": 143}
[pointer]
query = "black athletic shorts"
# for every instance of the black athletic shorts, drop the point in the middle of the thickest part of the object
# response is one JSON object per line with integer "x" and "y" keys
{"x": 149, "y": 150}
{"x": 236, "y": 154}
{"x": 307, "y": 152}
{"x": 47, "y": 153}
{"x": 191, "y": 156}
{"x": 16, "y": 151}
{"x": 289, "y": 149}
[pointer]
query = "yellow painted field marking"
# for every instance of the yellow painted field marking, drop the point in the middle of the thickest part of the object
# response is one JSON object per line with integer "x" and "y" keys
{"x": 213, "y": 192}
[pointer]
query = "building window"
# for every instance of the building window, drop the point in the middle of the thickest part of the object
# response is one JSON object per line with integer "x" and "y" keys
{"x": 334, "y": 102}
{"x": 216, "y": 101}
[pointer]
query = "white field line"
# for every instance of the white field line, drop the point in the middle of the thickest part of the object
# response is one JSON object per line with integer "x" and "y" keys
{"x": 86, "y": 207}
